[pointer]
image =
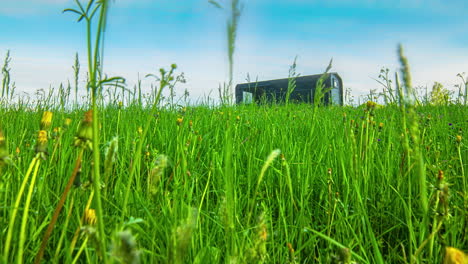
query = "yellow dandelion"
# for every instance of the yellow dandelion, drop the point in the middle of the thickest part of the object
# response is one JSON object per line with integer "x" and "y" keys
{"x": 17, "y": 151}
{"x": 179, "y": 121}
{"x": 371, "y": 105}
{"x": 42, "y": 137}
{"x": 90, "y": 216}
{"x": 455, "y": 256}
{"x": 41, "y": 146}
{"x": 2, "y": 138}
{"x": 190, "y": 123}
{"x": 67, "y": 122}
{"x": 459, "y": 138}
{"x": 380, "y": 125}
{"x": 46, "y": 120}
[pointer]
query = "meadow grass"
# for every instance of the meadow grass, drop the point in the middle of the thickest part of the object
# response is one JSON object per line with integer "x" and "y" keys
{"x": 341, "y": 179}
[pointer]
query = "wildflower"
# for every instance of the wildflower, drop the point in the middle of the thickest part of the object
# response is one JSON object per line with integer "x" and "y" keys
{"x": 41, "y": 146}
{"x": 46, "y": 120}
{"x": 179, "y": 121}
{"x": 67, "y": 122}
{"x": 120, "y": 104}
{"x": 458, "y": 138}
{"x": 90, "y": 216}
{"x": 440, "y": 175}
{"x": 237, "y": 118}
{"x": 3, "y": 150}
{"x": 84, "y": 135}
{"x": 140, "y": 130}
{"x": 292, "y": 258}
{"x": 190, "y": 123}
{"x": 371, "y": 105}
{"x": 455, "y": 256}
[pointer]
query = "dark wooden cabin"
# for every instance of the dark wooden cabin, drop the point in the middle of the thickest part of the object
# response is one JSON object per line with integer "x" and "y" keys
{"x": 275, "y": 90}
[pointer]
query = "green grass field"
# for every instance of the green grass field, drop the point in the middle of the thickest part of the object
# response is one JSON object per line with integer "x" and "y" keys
{"x": 206, "y": 189}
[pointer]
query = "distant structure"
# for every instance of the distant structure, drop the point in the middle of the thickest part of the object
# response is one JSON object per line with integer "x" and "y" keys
{"x": 275, "y": 90}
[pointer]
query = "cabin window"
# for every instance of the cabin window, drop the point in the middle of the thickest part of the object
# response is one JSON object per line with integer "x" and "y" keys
{"x": 247, "y": 97}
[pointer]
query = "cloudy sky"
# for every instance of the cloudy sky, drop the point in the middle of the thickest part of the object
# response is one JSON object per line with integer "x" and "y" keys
{"x": 144, "y": 35}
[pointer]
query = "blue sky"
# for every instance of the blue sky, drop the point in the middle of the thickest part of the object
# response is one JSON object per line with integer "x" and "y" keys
{"x": 143, "y": 35}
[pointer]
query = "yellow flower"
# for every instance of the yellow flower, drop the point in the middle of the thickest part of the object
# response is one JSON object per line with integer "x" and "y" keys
{"x": 459, "y": 138}
{"x": 140, "y": 130}
{"x": 455, "y": 256}
{"x": 2, "y": 138}
{"x": 90, "y": 216}
{"x": 41, "y": 146}
{"x": 179, "y": 121}
{"x": 46, "y": 120}
{"x": 380, "y": 125}
{"x": 67, "y": 122}
{"x": 370, "y": 104}
{"x": 42, "y": 137}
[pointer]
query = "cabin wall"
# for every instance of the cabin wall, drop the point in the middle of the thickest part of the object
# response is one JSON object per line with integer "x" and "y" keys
{"x": 275, "y": 90}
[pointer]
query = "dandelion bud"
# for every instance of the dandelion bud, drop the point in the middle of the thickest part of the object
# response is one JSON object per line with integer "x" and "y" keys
{"x": 84, "y": 135}
{"x": 67, "y": 122}
{"x": 46, "y": 120}
{"x": 440, "y": 175}
{"x": 41, "y": 146}
{"x": 3, "y": 150}
{"x": 458, "y": 138}
{"x": 90, "y": 216}
{"x": 292, "y": 258}
{"x": 179, "y": 121}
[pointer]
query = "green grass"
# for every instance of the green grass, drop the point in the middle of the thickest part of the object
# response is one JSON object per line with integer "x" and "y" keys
{"x": 338, "y": 181}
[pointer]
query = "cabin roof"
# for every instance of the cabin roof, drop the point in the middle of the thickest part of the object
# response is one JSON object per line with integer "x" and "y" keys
{"x": 312, "y": 79}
